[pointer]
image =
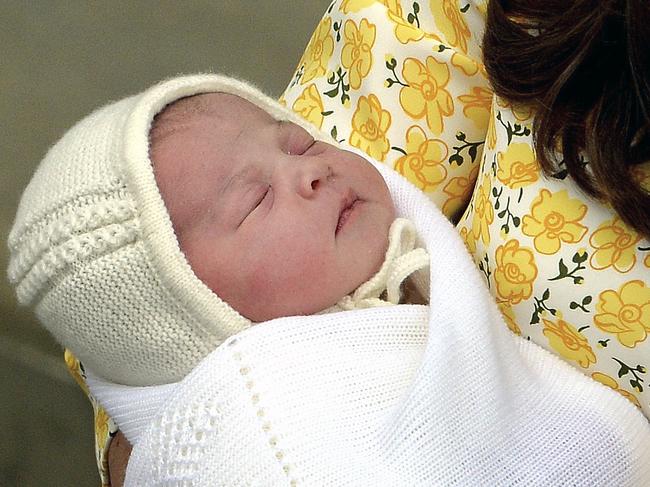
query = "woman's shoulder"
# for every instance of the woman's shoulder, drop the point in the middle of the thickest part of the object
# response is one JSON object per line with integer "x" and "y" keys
{"x": 567, "y": 272}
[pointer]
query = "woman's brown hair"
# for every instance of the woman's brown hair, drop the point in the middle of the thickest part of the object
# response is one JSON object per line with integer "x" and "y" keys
{"x": 584, "y": 65}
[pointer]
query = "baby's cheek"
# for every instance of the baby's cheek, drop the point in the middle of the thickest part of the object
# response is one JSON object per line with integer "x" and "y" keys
{"x": 301, "y": 272}
{"x": 301, "y": 282}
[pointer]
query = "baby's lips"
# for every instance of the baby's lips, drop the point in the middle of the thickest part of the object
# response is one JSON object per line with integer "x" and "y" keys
{"x": 348, "y": 201}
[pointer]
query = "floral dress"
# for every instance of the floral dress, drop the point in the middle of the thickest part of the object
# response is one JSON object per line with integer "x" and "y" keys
{"x": 403, "y": 81}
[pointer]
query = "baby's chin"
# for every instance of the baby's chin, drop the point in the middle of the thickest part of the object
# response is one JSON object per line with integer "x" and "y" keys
{"x": 306, "y": 303}
{"x": 260, "y": 315}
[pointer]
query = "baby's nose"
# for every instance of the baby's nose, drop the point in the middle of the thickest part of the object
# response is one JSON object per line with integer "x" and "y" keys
{"x": 310, "y": 176}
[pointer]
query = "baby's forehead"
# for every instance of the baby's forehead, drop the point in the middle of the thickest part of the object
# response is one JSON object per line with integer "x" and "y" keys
{"x": 223, "y": 106}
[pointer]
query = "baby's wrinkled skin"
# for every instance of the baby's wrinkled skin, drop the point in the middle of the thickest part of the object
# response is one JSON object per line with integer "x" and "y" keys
{"x": 273, "y": 222}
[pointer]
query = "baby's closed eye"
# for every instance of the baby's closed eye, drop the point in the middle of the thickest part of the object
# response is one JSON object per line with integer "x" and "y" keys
{"x": 295, "y": 140}
{"x": 256, "y": 197}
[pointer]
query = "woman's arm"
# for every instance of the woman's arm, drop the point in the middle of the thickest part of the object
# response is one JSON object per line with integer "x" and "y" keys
{"x": 118, "y": 457}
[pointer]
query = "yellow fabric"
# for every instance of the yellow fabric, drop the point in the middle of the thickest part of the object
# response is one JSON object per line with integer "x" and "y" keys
{"x": 104, "y": 426}
{"x": 403, "y": 81}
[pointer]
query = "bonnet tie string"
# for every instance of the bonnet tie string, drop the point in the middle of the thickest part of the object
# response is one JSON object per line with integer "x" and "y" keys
{"x": 402, "y": 260}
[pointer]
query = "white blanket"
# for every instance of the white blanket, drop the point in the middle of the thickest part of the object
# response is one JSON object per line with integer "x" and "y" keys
{"x": 405, "y": 395}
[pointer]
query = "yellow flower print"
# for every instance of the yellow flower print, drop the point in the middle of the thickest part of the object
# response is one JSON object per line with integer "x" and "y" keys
{"x": 423, "y": 163}
{"x": 625, "y": 313}
{"x": 318, "y": 52}
{"x": 517, "y": 166}
{"x": 426, "y": 95}
{"x": 569, "y": 342}
{"x": 309, "y": 106}
{"x": 354, "y": 6}
{"x": 515, "y": 272}
{"x": 483, "y": 212}
{"x": 451, "y": 23}
{"x": 491, "y": 136}
{"x": 369, "y": 125}
{"x": 459, "y": 191}
{"x": 509, "y": 317}
{"x": 74, "y": 369}
{"x": 405, "y": 32}
{"x": 615, "y": 244}
{"x": 523, "y": 113}
{"x": 465, "y": 63}
{"x": 468, "y": 238}
{"x": 101, "y": 426}
{"x": 482, "y": 7}
{"x": 554, "y": 218}
{"x": 477, "y": 105}
{"x": 357, "y": 50}
{"x": 610, "y": 382}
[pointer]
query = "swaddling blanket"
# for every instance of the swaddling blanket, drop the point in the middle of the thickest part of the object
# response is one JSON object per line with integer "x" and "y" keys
{"x": 402, "y": 395}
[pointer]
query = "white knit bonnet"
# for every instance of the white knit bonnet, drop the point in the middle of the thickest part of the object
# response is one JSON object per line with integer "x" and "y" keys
{"x": 94, "y": 252}
{"x": 93, "y": 249}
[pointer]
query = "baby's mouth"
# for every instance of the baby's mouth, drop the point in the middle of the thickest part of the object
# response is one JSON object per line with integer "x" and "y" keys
{"x": 348, "y": 205}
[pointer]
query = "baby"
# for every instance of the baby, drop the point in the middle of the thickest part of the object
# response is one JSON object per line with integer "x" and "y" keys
{"x": 164, "y": 223}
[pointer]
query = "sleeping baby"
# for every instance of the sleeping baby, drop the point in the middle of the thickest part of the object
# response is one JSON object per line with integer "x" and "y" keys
{"x": 164, "y": 223}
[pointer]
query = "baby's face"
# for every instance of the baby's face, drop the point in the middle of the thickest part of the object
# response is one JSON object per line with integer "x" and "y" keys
{"x": 273, "y": 222}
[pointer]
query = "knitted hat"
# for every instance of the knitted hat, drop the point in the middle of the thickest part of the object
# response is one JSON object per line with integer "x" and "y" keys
{"x": 93, "y": 248}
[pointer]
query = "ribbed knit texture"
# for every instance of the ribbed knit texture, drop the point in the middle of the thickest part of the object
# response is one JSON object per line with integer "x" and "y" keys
{"x": 93, "y": 249}
{"x": 401, "y": 395}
